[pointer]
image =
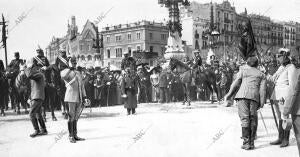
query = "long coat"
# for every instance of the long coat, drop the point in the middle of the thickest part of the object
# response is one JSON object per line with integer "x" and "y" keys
{"x": 129, "y": 86}
{"x": 75, "y": 90}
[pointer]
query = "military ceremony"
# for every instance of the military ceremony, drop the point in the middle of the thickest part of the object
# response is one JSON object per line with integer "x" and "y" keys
{"x": 165, "y": 78}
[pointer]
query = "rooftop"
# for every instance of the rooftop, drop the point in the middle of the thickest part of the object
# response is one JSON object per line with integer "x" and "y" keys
{"x": 134, "y": 24}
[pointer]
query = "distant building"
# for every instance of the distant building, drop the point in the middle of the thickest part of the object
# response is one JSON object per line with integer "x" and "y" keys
{"x": 142, "y": 36}
{"x": 79, "y": 44}
{"x": 289, "y": 37}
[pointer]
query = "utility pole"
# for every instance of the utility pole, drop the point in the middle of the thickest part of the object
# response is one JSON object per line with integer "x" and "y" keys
{"x": 4, "y": 37}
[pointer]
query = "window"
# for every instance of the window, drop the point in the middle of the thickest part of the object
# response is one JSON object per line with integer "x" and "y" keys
{"x": 118, "y": 52}
{"x": 108, "y": 39}
{"x": 151, "y": 36}
{"x": 151, "y": 48}
{"x": 129, "y": 50}
{"x": 108, "y": 53}
{"x": 162, "y": 50}
{"x": 163, "y": 36}
{"x": 138, "y": 48}
{"x": 129, "y": 37}
{"x": 81, "y": 47}
{"x": 138, "y": 35}
{"x": 118, "y": 38}
{"x": 89, "y": 47}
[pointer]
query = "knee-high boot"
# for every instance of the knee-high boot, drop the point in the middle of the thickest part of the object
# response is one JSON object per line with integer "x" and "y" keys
{"x": 285, "y": 139}
{"x": 75, "y": 132}
{"x": 71, "y": 132}
{"x": 245, "y": 137}
{"x": 280, "y": 135}
{"x": 35, "y": 125}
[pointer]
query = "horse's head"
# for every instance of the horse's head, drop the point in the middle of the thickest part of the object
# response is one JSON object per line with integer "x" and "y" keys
{"x": 178, "y": 66}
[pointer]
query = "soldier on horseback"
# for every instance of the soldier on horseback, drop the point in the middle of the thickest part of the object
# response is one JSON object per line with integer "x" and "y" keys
{"x": 13, "y": 70}
{"x": 62, "y": 62}
{"x": 40, "y": 60}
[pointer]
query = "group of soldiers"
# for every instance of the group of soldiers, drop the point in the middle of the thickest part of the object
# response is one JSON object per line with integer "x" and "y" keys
{"x": 250, "y": 85}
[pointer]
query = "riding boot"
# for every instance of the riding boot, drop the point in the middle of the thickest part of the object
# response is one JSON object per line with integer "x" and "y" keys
{"x": 252, "y": 136}
{"x": 75, "y": 132}
{"x": 285, "y": 139}
{"x": 128, "y": 111}
{"x": 43, "y": 127}
{"x": 280, "y": 135}
{"x": 245, "y": 137}
{"x": 133, "y": 111}
{"x": 36, "y": 127}
{"x": 71, "y": 132}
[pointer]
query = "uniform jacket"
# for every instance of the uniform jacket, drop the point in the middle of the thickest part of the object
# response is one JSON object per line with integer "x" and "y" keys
{"x": 75, "y": 91}
{"x": 62, "y": 62}
{"x": 292, "y": 101}
{"x": 37, "y": 81}
{"x": 250, "y": 84}
{"x": 282, "y": 79}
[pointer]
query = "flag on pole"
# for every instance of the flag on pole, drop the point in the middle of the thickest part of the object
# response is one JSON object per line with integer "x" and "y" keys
{"x": 247, "y": 45}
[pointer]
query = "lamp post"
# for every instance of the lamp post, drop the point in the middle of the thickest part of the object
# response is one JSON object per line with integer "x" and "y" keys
{"x": 174, "y": 49}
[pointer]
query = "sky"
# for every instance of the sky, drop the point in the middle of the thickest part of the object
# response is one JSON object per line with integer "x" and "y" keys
{"x": 46, "y": 19}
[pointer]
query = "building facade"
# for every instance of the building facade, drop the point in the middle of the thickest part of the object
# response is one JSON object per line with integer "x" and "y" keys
{"x": 79, "y": 44}
{"x": 142, "y": 36}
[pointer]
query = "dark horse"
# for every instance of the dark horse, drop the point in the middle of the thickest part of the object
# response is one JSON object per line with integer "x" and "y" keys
{"x": 54, "y": 91}
{"x": 206, "y": 76}
{"x": 11, "y": 74}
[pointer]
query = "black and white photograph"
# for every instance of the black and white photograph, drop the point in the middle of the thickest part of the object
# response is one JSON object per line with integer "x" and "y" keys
{"x": 150, "y": 78}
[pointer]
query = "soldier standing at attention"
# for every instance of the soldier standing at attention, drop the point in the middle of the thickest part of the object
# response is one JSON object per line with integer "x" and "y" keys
{"x": 75, "y": 97}
{"x": 251, "y": 86}
{"x": 282, "y": 80}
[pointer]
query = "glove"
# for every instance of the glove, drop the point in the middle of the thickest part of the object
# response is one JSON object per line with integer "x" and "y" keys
{"x": 108, "y": 83}
{"x": 283, "y": 117}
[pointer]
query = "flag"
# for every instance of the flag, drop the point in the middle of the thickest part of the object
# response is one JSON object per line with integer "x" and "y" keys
{"x": 247, "y": 45}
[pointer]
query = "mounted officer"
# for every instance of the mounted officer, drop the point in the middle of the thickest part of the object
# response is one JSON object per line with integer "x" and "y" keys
{"x": 13, "y": 70}
{"x": 40, "y": 60}
{"x": 62, "y": 61}
{"x": 197, "y": 59}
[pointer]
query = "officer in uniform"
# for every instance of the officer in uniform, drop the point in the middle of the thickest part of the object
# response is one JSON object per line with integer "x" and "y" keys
{"x": 250, "y": 85}
{"x": 40, "y": 60}
{"x": 15, "y": 63}
{"x": 283, "y": 82}
{"x": 37, "y": 96}
{"x": 75, "y": 97}
{"x": 13, "y": 70}
{"x": 62, "y": 61}
{"x": 128, "y": 62}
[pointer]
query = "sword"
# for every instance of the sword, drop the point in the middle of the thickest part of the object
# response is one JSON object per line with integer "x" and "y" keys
{"x": 274, "y": 114}
{"x": 262, "y": 118}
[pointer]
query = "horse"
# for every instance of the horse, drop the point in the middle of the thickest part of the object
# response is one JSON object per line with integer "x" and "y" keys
{"x": 11, "y": 75}
{"x": 22, "y": 84}
{"x": 187, "y": 74}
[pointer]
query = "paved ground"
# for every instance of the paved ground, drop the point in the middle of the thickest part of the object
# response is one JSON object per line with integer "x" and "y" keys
{"x": 169, "y": 130}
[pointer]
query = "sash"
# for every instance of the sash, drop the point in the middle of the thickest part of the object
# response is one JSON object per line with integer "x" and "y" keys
{"x": 39, "y": 61}
{"x": 63, "y": 60}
